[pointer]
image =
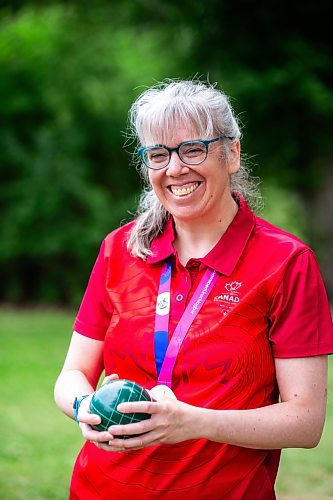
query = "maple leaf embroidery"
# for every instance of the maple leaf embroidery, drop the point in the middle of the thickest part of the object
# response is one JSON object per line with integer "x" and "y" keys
{"x": 233, "y": 286}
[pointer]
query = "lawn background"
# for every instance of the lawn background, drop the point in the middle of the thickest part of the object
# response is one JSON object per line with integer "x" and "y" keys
{"x": 39, "y": 444}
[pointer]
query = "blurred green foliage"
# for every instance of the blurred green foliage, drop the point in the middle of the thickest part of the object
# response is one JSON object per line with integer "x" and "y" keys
{"x": 68, "y": 74}
{"x": 65, "y": 177}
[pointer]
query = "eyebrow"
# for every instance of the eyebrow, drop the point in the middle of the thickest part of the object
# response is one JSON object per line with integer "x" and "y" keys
{"x": 179, "y": 144}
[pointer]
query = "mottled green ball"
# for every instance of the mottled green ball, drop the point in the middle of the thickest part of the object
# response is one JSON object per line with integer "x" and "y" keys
{"x": 106, "y": 399}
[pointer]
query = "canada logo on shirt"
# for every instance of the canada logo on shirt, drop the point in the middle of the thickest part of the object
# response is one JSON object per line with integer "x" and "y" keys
{"x": 227, "y": 300}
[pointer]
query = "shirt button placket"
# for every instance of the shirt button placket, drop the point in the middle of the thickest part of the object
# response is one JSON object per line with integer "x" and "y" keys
{"x": 181, "y": 294}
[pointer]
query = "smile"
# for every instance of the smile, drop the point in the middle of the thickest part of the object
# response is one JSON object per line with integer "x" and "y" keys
{"x": 183, "y": 191}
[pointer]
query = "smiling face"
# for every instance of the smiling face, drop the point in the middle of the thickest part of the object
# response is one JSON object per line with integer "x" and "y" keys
{"x": 193, "y": 193}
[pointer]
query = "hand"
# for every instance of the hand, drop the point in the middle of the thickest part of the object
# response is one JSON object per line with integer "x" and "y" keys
{"x": 171, "y": 421}
{"x": 87, "y": 419}
{"x": 113, "y": 376}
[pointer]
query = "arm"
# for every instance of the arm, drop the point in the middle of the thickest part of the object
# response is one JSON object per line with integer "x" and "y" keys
{"x": 297, "y": 421}
{"x": 80, "y": 373}
{"x": 79, "y": 376}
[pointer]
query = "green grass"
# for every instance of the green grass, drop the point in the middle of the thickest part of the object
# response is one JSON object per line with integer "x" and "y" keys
{"x": 39, "y": 444}
{"x": 308, "y": 474}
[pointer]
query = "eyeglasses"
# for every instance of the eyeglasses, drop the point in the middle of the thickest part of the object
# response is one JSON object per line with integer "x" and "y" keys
{"x": 189, "y": 152}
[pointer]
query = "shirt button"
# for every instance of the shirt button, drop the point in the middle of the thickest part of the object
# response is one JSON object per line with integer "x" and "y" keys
{"x": 179, "y": 297}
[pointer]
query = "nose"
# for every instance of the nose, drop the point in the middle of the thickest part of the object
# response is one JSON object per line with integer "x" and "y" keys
{"x": 176, "y": 166}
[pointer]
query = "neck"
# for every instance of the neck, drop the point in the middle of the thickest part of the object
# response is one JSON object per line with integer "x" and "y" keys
{"x": 196, "y": 238}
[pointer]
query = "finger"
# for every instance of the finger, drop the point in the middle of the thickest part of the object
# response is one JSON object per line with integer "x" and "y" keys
{"x": 138, "y": 442}
{"x": 89, "y": 418}
{"x": 119, "y": 445}
{"x": 106, "y": 446}
{"x": 91, "y": 435}
{"x": 100, "y": 437}
{"x": 139, "y": 407}
{"x": 130, "y": 429}
{"x": 85, "y": 416}
{"x": 108, "y": 378}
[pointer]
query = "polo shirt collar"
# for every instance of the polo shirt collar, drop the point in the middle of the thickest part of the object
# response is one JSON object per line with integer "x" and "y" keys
{"x": 225, "y": 254}
{"x": 162, "y": 245}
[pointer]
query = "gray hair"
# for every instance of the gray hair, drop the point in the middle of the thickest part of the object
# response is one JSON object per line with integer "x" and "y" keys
{"x": 153, "y": 117}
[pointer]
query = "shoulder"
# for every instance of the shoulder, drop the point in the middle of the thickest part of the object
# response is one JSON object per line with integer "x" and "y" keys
{"x": 273, "y": 251}
{"x": 274, "y": 239}
{"x": 265, "y": 241}
{"x": 116, "y": 240}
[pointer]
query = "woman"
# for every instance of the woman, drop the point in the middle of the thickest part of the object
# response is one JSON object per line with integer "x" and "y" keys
{"x": 202, "y": 296}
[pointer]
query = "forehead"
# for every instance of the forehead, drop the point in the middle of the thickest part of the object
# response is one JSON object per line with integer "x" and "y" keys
{"x": 171, "y": 135}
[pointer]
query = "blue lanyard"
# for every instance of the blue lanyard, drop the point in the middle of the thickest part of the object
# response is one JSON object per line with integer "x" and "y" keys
{"x": 166, "y": 353}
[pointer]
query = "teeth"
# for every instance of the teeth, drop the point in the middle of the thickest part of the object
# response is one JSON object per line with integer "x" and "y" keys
{"x": 184, "y": 191}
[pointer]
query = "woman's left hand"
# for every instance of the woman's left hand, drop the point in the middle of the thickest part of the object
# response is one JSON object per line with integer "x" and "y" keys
{"x": 171, "y": 421}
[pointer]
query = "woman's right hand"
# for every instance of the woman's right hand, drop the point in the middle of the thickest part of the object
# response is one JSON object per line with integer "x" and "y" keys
{"x": 87, "y": 419}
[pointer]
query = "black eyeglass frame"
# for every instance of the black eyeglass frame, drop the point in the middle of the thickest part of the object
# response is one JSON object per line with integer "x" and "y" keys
{"x": 143, "y": 149}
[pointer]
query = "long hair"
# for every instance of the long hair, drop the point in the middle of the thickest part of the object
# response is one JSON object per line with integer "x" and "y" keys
{"x": 155, "y": 114}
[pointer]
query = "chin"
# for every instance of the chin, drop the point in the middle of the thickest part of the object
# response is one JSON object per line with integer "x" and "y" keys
{"x": 187, "y": 215}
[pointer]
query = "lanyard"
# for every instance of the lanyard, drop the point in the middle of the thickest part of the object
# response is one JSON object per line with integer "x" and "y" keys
{"x": 166, "y": 354}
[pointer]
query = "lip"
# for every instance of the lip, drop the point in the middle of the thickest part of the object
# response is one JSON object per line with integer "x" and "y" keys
{"x": 180, "y": 185}
{"x": 183, "y": 189}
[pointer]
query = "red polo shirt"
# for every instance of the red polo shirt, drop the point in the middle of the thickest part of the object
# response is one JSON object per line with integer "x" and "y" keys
{"x": 269, "y": 301}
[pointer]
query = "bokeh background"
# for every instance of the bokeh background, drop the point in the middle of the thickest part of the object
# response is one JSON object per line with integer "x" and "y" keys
{"x": 69, "y": 71}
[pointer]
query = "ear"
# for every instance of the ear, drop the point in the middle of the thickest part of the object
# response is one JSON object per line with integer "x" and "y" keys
{"x": 233, "y": 163}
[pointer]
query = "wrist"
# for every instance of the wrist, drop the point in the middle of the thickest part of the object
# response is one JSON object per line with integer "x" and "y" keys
{"x": 209, "y": 423}
{"x": 196, "y": 422}
{"x": 76, "y": 405}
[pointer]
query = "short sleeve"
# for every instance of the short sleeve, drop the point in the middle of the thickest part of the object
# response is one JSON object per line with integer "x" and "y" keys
{"x": 95, "y": 311}
{"x": 300, "y": 317}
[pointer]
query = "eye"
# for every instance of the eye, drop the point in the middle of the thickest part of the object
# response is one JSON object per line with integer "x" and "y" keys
{"x": 158, "y": 155}
{"x": 193, "y": 150}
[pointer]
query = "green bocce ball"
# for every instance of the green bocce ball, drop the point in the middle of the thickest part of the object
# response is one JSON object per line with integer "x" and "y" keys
{"x": 106, "y": 399}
